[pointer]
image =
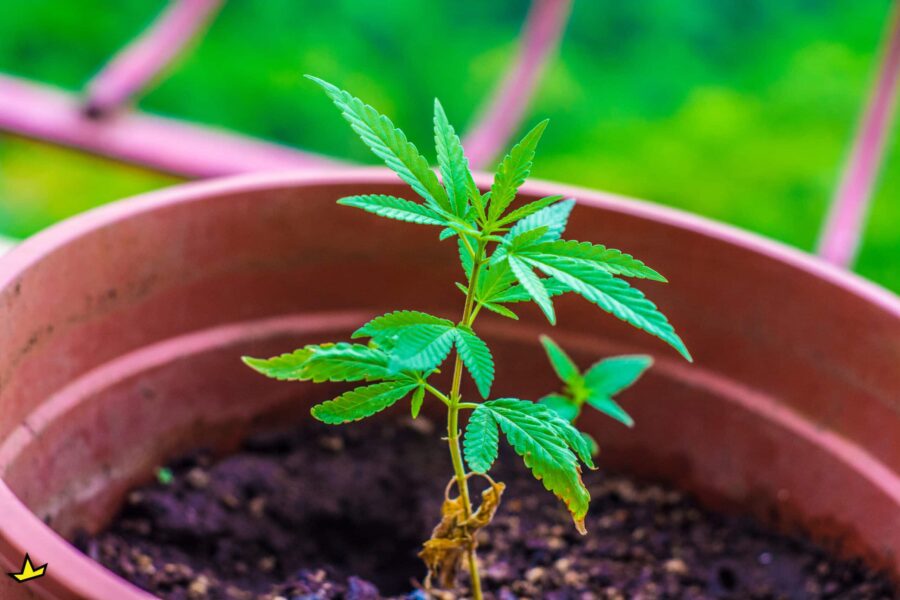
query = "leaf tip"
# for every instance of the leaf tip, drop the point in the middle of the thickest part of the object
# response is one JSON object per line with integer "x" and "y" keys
{"x": 579, "y": 526}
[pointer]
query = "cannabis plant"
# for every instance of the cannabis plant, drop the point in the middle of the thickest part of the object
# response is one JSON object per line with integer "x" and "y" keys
{"x": 595, "y": 387}
{"x": 510, "y": 253}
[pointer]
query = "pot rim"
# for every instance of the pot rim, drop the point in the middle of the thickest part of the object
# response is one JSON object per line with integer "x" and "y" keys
{"x": 78, "y": 574}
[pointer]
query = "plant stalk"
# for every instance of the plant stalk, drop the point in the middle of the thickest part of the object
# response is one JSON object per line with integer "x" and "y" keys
{"x": 459, "y": 468}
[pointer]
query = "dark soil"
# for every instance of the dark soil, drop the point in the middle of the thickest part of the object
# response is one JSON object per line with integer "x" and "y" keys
{"x": 340, "y": 512}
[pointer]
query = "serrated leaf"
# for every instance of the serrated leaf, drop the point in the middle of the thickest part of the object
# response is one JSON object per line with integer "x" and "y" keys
{"x": 384, "y": 329}
{"x": 532, "y": 284}
{"x": 574, "y": 439}
{"x": 465, "y": 257}
{"x": 481, "y": 441}
{"x": 389, "y": 144}
{"x": 452, "y": 161}
{"x": 565, "y": 368}
{"x": 554, "y": 218}
{"x": 500, "y": 310}
{"x": 476, "y": 356}
{"x": 345, "y": 362}
{"x": 610, "y": 407}
{"x": 446, "y": 233}
{"x": 528, "y": 209}
{"x": 361, "y": 403}
{"x": 541, "y": 438}
{"x": 565, "y": 407}
{"x": 418, "y": 398}
{"x": 422, "y": 347}
{"x": 395, "y": 208}
{"x": 517, "y": 293}
{"x": 612, "y": 375}
{"x": 513, "y": 171}
{"x": 286, "y": 367}
{"x": 612, "y": 295}
{"x": 609, "y": 259}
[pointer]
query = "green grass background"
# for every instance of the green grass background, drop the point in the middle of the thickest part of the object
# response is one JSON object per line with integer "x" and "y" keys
{"x": 739, "y": 110}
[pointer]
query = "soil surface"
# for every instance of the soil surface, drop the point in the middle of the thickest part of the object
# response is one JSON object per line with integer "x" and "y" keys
{"x": 340, "y": 513}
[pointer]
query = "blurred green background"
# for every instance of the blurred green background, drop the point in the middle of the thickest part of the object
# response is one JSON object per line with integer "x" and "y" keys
{"x": 739, "y": 110}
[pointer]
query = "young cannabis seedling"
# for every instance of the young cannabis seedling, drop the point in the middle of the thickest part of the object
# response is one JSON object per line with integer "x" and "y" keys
{"x": 595, "y": 387}
{"x": 509, "y": 254}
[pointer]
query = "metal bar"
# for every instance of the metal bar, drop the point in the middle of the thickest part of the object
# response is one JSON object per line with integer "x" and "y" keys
{"x": 167, "y": 145}
{"x": 842, "y": 233}
{"x": 540, "y": 37}
{"x": 141, "y": 61}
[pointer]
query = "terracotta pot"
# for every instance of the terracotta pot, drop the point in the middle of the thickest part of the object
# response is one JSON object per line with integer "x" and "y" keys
{"x": 121, "y": 331}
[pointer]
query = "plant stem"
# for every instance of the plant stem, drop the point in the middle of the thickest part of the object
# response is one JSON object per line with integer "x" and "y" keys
{"x": 459, "y": 469}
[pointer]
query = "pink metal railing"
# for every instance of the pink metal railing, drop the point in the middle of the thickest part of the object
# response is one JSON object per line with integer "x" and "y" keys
{"x": 132, "y": 69}
{"x": 497, "y": 124}
{"x": 843, "y": 229}
{"x": 93, "y": 122}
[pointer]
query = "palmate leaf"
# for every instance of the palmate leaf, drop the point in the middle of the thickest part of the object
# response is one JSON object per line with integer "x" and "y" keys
{"x": 384, "y": 329}
{"x": 481, "y": 441}
{"x": 361, "y": 402}
{"x": 546, "y": 443}
{"x": 395, "y": 208}
{"x": 517, "y": 293}
{"x": 528, "y": 209}
{"x": 533, "y": 285}
{"x": 422, "y": 347}
{"x": 554, "y": 218}
{"x": 612, "y": 295}
{"x": 418, "y": 398}
{"x": 564, "y": 406}
{"x": 326, "y": 362}
{"x": 565, "y": 368}
{"x": 612, "y": 375}
{"x": 513, "y": 171}
{"x": 476, "y": 357}
{"x": 610, "y": 407}
{"x": 287, "y": 367}
{"x": 452, "y": 162}
{"x": 389, "y": 144}
{"x": 609, "y": 259}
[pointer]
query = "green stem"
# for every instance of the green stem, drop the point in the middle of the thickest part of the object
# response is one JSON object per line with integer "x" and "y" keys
{"x": 459, "y": 469}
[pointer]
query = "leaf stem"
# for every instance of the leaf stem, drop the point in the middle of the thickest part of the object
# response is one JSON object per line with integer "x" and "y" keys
{"x": 454, "y": 405}
{"x": 437, "y": 394}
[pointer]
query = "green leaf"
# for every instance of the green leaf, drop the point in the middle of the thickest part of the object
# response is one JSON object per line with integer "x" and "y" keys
{"x": 565, "y": 407}
{"x": 384, "y": 329}
{"x": 452, "y": 161}
{"x": 609, "y": 259}
{"x": 422, "y": 347}
{"x": 476, "y": 356}
{"x": 513, "y": 171}
{"x": 528, "y": 209}
{"x": 574, "y": 439}
{"x": 542, "y": 439}
{"x": 610, "y": 407}
{"x": 562, "y": 364}
{"x": 554, "y": 218}
{"x": 418, "y": 398}
{"x": 287, "y": 367}
{"x": 612, "y": 295}
{"x": 446, "y": 233}
{"x": 500, "y": 310}
{"x": 345, "y": 362}
{"x": 395, "y": 208}
{"x": 532, "y": 284}
{"x": 389, "y": 144}
{"x": 361, "y": 403}
{"x": 612, "y": 375}
{"x": 517, "y": 293}
{"x": 465, "y": 257}
{"x": 481, "y": 440}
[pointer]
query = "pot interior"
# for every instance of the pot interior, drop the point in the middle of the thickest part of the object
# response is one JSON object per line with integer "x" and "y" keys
{"x": 123, "y": 331}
